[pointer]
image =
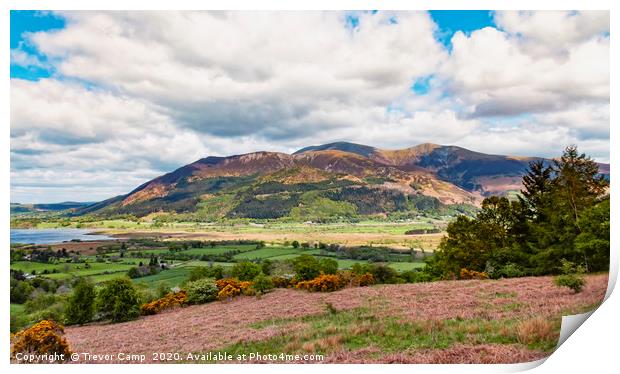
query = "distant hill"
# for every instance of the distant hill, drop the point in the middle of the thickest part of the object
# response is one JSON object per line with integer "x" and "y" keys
{"x": 325, "y": 181}
{"x": 17, "y": 208}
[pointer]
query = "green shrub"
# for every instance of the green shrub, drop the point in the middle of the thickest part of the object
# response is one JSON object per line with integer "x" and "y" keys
{"x": 328, "y": 266}
{"x": 306, "y": 267}
{"x": 416, "y": 276}
{"x": 118, "y": 300}
{"x": 383, "y": 273}
{"x": 134, "y": 273}
{"x": 572, "y": 281}
{"x": 511, "y": 270}
{"x": 40, "y": 301}
{"x": 262, "y": 284}
{"x": 18, "y": 322}
{"x": 20, "y": 291}
{"x": 201, "y": 291}
{"x": 266, "y": 265}
{"x": 80, "y": 306}
{"x": 162, "y": 290}
{"x": 246, "y": 271}
{"x": 572, "y": 276}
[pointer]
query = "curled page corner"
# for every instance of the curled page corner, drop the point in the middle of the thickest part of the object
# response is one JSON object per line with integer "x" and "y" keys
{"x": 570, "y": 324}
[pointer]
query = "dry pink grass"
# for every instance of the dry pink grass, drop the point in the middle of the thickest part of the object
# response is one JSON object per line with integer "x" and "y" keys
{"x": 216, "y": 325}
{"x": 457, "y": 354}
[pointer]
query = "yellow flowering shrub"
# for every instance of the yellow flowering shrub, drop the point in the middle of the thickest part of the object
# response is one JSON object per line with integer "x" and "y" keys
{"x": 322, "y": 283}
{"x": 363, "y": 280}
{"x": 231, "y": 287}
{"x": 472, "y": 274}
{"x": 44, "y": 337}
{"x": 171, "y": 300}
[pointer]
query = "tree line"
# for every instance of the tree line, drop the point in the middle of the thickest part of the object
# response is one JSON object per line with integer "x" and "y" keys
{"x": 562, "y": 214}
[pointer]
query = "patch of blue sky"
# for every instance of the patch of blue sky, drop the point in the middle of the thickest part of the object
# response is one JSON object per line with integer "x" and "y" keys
{"x": 450, "y": 21}
{"x": 422, "y": 85}
{"x": 352, "y": 21}
{"x": 513, "y": 120}
{"x": 29, "y": 21}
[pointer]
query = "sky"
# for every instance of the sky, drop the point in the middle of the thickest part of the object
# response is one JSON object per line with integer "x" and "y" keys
{"x": 103, "y": 101}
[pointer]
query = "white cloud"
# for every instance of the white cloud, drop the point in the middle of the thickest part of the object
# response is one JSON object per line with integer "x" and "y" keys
{"x": 140, "y": 93}
{"x": 544, "y": 32}
{"x": 23, "y": 59}
{"x": 227, "y": 73}
{"x": 493, "y": 76}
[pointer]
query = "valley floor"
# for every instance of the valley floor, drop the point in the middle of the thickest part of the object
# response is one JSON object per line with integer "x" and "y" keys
{"x": 491, "y": 321}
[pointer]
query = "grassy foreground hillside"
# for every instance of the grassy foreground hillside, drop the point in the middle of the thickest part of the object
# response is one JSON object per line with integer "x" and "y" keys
{"x": 475, "y": 321}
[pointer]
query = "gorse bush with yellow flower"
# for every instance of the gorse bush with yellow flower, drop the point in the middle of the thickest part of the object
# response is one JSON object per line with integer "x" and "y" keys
{"x": 323, "y": 283}
{"x": 231, "y": 287}
{"x": 45, "y": 337}
{"x": 363, "y": 280}
{"x": 171, "y": 300}
{"x": 472, "y": 274}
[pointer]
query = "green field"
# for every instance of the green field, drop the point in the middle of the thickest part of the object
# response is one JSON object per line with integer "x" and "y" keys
{"x": 405, "y": 266}
{"x": 267, "y": 252}
{"x": 195, "y": 263}
{"x": 179, "y": 269}
{"x": 68, "y": 270}
{"x": 220, "y": 249}
{"x": 172, "y": 277}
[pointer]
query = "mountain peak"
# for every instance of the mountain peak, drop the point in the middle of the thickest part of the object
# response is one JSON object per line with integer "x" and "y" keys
{"x": 360, "y": 149}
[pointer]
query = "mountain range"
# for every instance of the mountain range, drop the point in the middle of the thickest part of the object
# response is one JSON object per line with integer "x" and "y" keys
{"x": 321, "y": 182}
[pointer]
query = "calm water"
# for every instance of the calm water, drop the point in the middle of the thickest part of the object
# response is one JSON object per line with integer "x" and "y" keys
{"x": 49, "y": 236}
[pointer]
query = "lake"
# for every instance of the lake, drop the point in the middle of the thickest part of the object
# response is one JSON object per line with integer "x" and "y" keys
{"x": 50, "y": 236}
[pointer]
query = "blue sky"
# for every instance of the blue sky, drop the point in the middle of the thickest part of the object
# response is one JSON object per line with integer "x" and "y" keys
{"x": 122, "y": 97}
{"x": 451, "y": 21}
{"x": 28, "y": 21}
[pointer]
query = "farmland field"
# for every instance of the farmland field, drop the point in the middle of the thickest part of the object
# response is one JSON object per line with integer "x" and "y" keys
{"x": 66, "y": 270}
{"x": 268, "y": 252}
{"x": 172, "y": 278}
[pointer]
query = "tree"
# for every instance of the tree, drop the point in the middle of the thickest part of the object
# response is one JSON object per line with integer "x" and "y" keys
{"x": 201, "y": 291}
{"x": 306, "y": 267}
{"x": 245, "y": 271}
{"x": 592, "y": 243}
{"x": 578, "y": 184}
{"x": 266, "y": 265}
{"x": 576, "y": 187}
{"x": 80, "y": 306}
{"x": 561, "y": 215}
{"x": 118, "y": 300}
{"x": 537, "y": 185}
{"x": 328, "y": 266}
{"x": 295, "y": 244}
{"x": 20, "y": 291}
{"x": 262, "y": 284}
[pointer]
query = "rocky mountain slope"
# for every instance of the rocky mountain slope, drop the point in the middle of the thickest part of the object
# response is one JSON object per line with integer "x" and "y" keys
{"x": 322, "y": 182}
